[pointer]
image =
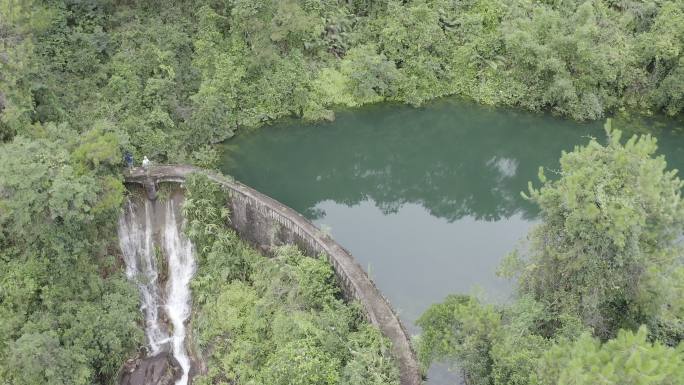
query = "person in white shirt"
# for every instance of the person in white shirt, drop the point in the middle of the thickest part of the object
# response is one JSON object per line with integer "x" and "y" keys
{"x": 146, "y": 163}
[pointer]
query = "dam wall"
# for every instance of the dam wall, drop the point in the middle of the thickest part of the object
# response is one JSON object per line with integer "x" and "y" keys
{"x": 266, "y": 223}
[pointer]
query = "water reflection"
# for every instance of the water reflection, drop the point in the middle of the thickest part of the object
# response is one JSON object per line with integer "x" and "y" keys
{"x": 453, "y": 158}
{"x": 428, "y": 200}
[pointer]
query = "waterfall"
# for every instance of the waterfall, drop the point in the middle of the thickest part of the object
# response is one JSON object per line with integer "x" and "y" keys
{"x": 181, "y": 268}
{"x": 137, "y": 246}
{"x": 146, "y": 228}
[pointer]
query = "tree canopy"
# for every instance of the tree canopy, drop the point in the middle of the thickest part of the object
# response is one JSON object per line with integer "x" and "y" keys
{"x": 599, "y": 282}
{"x": 82, "y": 81}
{"x": 175, "y": 76}
{"x": 67, "y": 313}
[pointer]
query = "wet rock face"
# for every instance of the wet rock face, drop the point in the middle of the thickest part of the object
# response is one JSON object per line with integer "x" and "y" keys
{"x": 162, "y": 369}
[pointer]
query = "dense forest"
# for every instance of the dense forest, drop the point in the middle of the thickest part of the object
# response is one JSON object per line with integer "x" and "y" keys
{"x": 83, "y": 81}
{"x": 171, "y": 78}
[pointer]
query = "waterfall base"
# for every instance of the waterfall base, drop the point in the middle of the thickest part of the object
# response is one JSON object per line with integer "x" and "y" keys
{"x": 162, "y": 369}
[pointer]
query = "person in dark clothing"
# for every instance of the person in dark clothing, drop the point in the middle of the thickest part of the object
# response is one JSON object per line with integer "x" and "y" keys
{"x": 128, "y": 159}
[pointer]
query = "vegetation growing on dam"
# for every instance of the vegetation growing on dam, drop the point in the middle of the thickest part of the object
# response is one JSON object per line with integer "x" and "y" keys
{"x": 600, "y": 285}
{"x": 276, "y": 321}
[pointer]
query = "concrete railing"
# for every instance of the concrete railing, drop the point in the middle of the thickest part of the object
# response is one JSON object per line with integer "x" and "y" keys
{"x": 265, "y": 222}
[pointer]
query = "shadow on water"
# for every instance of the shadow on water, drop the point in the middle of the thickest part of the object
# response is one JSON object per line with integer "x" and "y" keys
{"x": 427, "y": 199}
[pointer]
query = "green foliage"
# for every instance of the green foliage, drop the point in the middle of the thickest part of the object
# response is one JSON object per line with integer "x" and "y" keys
{"x": 99, "y": 149}
{"x": 176, "y": 77}
{"x": 604, "y": 261}
{"x": 50, "y": 193}
{"x": 460, "y": 328}
{"x": 68, "y": 315}
{"x": 661, "y": 49}
{"x": 370, "y": 76}
{"x": 39, "y": 359}
{"x": 205, "y": 209}
{"x": 273, "y": 321}
{"x": 82, "y": 81}
{"x": 412, "y": 37}
{"x": 569, "y": 57}
{"x": 300, "y": 363}
{"x": 609, "y": 224}
{"x": 628, "y": 359}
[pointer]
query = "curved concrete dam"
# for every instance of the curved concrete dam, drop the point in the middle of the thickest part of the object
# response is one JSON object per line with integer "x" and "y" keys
{"x": 265, "y": 223}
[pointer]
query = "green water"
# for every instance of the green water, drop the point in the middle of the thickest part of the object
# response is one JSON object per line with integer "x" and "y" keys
{"x": 428, "y": 200}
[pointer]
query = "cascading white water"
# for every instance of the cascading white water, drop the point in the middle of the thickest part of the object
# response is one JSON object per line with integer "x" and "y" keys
{"x": 137, "y": 246}
{"x": 137, "y": 242}
{"x": 179, "y": 252}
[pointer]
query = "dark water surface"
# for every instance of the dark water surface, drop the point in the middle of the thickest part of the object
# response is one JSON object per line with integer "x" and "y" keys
{"x": 428, "y": 200}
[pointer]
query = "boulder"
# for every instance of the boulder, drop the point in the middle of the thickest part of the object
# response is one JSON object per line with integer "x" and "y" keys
{"x": 162, "y": 369}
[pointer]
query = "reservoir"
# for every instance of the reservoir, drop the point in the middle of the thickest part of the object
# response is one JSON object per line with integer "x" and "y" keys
{"x": 427, "y": 199}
